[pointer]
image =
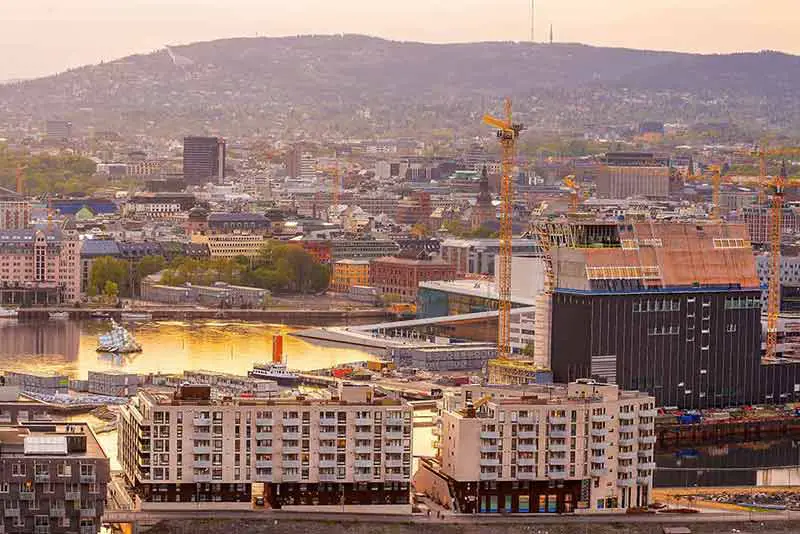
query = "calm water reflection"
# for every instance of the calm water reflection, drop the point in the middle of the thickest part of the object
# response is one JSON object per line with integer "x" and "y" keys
{"x": 169, "y": 347}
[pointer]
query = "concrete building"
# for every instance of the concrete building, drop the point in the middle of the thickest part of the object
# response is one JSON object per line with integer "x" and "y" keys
{"x": 401, "y": 276}
{"x": 54, "y": 478}
{"x": 187, "y": 450}
{"x": 232, "y": 245}
{"x": 227, "y": 384}
{"x": 38, "y": 267}
{"x": 759, "y": 223}
{"x": 633, "y": 174}
{"x": 361, "y": 248}
{"x": 448, "y": 357}
{"x": 220, "y": 295}
{"x": 477, "y": 256}
{"x": 203, "y": 160}
{"x": 113, "y": 383}
{"x": 15, "y": 210}
{"x": 349, "y": 273}
{"x": 551, "y": 449}
{"x": 229, "y": 223}
{"x": 789, "y": 280}
{"x": 41, "y": 383}
{"x": 58, "y": 130}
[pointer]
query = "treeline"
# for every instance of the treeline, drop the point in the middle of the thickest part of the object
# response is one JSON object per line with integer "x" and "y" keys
{"x": 44, "y": 173}
{"x": 279, "y": 267}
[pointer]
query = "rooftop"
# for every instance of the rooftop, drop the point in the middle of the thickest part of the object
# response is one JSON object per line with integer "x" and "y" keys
{"x": 74, "y": 440}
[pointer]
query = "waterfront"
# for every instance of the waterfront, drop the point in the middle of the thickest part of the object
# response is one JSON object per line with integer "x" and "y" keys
{"x": 168, "y": 347}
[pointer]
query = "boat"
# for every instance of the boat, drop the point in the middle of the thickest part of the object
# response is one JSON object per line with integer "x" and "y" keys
{"x": 277, "y": 372}
{"x": 58, "y": 315}
{"x": 136, "y": 316}
{"x": 7, "y": 313}
{"x": 99, "y": 315}
{"x": 117, "y": 340}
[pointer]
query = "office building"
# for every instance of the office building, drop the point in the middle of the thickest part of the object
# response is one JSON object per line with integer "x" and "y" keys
{"x": 15, "y": 210}
{"x": 54, "y": 478}
{"x": 184, "y": 448}
{"x": 759, "y": 223}
{"x": 203, "y": 160}
{"x": 58, "y": 130}
{"x": 542, "y": 449}
{"x": 664, "y": 307}
{"x": 349, "y": 273}
{"x": 39, "y": 267}
{"x": 477, "y": 256}
{"x": 401, "y": 276}
{"x": 232, "y": 245}
{"x": 113, "y": 383}
{"x": 40, "y": 383}
{"x": 445, "y": 357}
{"x": 633, "y": 174}
{"x": 362, "y": 248}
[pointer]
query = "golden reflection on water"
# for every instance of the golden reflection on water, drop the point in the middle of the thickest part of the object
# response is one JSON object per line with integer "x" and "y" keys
{"x": 168, "y": 347}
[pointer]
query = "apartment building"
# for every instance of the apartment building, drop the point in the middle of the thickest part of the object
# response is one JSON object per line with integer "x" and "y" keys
{"x": 349, "y": 273}
{"x": 54, "y": 479}
{"x": 542, "y": 449}
{"x": 401, "y": 276}
{"x": 15, "y": 210}
{"x": 183, "y": 448}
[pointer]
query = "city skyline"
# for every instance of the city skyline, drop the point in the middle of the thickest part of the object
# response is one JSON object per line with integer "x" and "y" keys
{"x": 89, "y": 31}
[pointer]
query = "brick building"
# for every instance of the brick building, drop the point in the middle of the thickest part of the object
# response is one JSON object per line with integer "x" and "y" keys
{"x": 401, "y": 276}
{"x": 349, "y": 273}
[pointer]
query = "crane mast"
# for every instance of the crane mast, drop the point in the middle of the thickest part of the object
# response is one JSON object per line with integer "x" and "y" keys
{"x": 774, "y": 289}
{"x": 507, "y": 135}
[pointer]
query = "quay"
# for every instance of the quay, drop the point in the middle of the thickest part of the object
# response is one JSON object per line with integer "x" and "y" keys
{"x": 293, "y": 316}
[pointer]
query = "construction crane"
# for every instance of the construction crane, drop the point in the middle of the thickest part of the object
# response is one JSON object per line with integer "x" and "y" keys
{"x": 716, "y": 183}
{"x": 574, "y": 189}
{"x": 507, "y": 133}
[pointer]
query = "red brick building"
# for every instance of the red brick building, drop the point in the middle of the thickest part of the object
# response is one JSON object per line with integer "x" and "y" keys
{"x": 401, "y": 276}
{"x": 319, "y": 248}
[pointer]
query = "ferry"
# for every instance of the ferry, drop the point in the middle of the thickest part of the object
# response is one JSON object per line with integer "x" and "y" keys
{"x": 136, "y": 316}
{"x": 276, "y": 370}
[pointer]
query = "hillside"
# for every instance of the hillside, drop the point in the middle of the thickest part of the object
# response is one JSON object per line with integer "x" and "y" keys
{"x": 318, "y": 83}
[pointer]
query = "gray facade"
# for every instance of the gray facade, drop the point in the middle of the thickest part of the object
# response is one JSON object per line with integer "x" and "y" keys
{"x": 455, "y": 357}
{"x": 43, "y": 384}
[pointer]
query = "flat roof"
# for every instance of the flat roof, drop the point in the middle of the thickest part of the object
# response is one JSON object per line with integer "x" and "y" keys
{"x": 12, "y": 438}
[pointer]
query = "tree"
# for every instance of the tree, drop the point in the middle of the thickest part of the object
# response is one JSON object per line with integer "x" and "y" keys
{"x": 105, "y": 269}
{"x": 111, "y": 290}
{"x": 420, "y": 230}
{"x": 528, "y": 350}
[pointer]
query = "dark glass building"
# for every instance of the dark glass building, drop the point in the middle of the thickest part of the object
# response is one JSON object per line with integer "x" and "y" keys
{"x": 203, "y": 160}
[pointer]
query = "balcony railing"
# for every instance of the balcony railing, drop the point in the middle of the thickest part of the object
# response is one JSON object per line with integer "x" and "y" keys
{"x": 291, "y": 435}
{"x": 648, "y": 440}
{"x": 42, "y": 477}
{"x": 88, "y": 512}
{"x": 327, "y": 477}
{"x": 490, "y": 461}
{"x": 88, "y": 479}
{"x": 362, "y": 477}
{"x": 527, "y": 435}
{"x": 264, "y": 435}
{"x": 201, "y": 421}
{"x": 291, "y": 421}
{"x": 631, "y": 455}
{"x": 557, "y": 420}
{"x": 328, "y": 421}
{"x": 395, "y": 477}
{"x": 202, "y": 464}
{"x": 626, "y": 482}
{"x": 291, "y": 449}
{"x": 627, "y": 429}
{"x": 11, "y": 512}
{"x": 525, "y": 447}
{"x": 648, "y": 413}
{"x": 27, "y": 495}
{"x": 557, "y": 447}
{"x": 626, "y": 442}
{"x": 489, "y": 475}
{"x": 72, "y": 495}
{"x": 557, "y": 461}
{"x": 365, "y": 436}
{"x": 263, "y": 464}
{"x": 526, "y": 475}
{"x": 598, "y": 472}
{"x": 327, "y": 463}
{"x": 490, "y": 435}
{"x": 328, "y": 435}
{"x": 558, "y": 434}
{"x": 599, "y": 432}
{"x": 526, "y": 461}
{"x": 392, "y": 435}
{"x": 264, "y": 421}
{"x": 601, "y": 418}
{"x": 263, "y": 449}
{"x": 290, "y": 464}
{"x": 526, "y": 420}
{"x": 556, "y": 475}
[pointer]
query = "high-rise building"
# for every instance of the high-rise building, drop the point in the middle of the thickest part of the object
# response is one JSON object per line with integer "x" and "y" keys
{"x": 203, "y": 160}
{"x": 188, "y": 448}
{"x": 58, "y": 130}
{"x": 542, "y": 449}
{"x": 54, "y": 478}
{"x": 633, "y": 174}
{"x": 670, "y": 308}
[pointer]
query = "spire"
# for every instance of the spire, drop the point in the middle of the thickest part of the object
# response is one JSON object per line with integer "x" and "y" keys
{"x": 483, "y": 194}
{"x": 551, "y": 34}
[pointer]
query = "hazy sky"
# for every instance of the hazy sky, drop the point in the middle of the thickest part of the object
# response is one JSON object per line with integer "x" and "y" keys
{"x": 46, "y": 36}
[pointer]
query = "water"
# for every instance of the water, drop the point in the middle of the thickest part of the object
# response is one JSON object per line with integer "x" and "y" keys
{"x": 762, "y": 463}
{"x": 168, "y": 347}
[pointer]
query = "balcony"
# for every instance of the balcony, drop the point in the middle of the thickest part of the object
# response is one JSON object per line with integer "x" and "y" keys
{"x": 488, "y": 448}
{"x": 626, "y": 482}
{"x": 526, "y": 447}
{"x": 363, "y": 449}
{"x": 27, "y": 495}
{"x": 362, "y": 477}
{"x": 647, "y": 440}
{"x": 556, "y": 475}
{"x": 394, "y": 449}
{"x": 557, "y": 420}
{"x": 203, "y": 464}
{"x": 647, "y": 465}
{"x": 88, "y": 529}
{"x": 264, "y": 435}
{"x": 557, "y": 447}
{"x": 327, "y": 449}
{"x": 260, "y": 477}
{"x": 489, "y": 475}
{"x": 291, "y": 449}
{"x": 392, "y": 435}
{"x": 201, "y": 421}
{"x": 644, "y": 481}
{"x": 363, "y": 463}
{"x": 72, "y": 496}
{"x": 527, "y": 421}
{"x": 490, "y": 435}
{"x": 202, "y": 478}
{"x": 490, "y": 461}
{"x": 626, "y": 442}
{"x": 598, "y": 472}
{"x": 290, "y": 464}
{"x": 395, "y": 420}
{"x": 598, "y": 432}
{"x": 627, "y": 429}
{"x": 11, "y": 512}
{"x": 626, "y": 469}
{"x": 526, "y": 461}
{"x": 598, "y": 446}
{"x": 263, "y": 464}
{"x": 527, "y": 435}
{"x": 327, "y": 477}
{"x": 88, "y": 478}
{"x": 395, "y": 477}
{"x": 648, "y": 413}
{"x": 290, "y": 421}
{"x": 646, "y": 427}
{"x": 58, "y": 512}
{"x": 328, "y": 421}
{"x": 88, "y": 512}
{"x": 328, "y": 435}
{"x": 263, "y": 449}
{"x": 42, "y": 477}
{"x": 558, "y": 461}
{"x": 291, "y": 435}
{"x": 260, "y": 421}
{"x": 325, "y": 464}
{"x": 394, "y": 463}
{"x": 627, "y": 416}
{"x": 365, "y": 436}
{"x": 41, "y": 529}
{"x": 290, "y": 477}
{"x": 202, "y": 449}
{"x": 560, "y": 434}
{"x": 361, "y": 420}
{"x": 526, "y": 475}
{"x": 631, "y": 455}
{"x": 601, "y": 418}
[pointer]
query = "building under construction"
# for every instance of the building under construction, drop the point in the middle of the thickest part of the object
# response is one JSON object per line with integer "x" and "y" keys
{"x": 673, "y": 309}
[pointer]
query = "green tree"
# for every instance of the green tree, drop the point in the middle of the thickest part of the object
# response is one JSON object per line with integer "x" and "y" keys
{"x": 107, "y": 269}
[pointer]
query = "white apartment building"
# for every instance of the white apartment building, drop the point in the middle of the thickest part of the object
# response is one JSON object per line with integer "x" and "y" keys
{"x": 181, "y": 449}
{"x": 232, "y": 245}
{"x": 542, "y": 449}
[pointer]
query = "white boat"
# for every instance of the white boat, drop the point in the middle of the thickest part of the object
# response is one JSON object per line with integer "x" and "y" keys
{"x": 7, "y": 313}
{"x": 118, "y": 340}
{"x": 277, "y": 372}
{"x": 136, "y": 316}
{"x": 58, "y": 315}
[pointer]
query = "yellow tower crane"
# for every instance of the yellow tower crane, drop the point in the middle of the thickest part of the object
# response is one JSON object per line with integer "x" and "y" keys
{"x": 507, "y": 134}
{"x": 716, "y": 183}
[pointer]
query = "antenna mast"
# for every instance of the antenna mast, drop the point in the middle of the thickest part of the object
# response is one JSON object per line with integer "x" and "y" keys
{"x": 533, "y": 20}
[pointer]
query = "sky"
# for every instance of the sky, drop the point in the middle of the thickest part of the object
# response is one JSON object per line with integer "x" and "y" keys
{"x": 41, "y": 37}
